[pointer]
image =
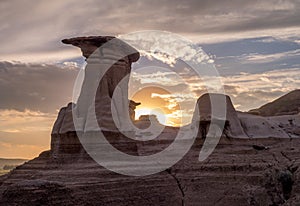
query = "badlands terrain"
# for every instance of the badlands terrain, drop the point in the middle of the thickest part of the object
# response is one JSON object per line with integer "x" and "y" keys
{"x": 255, "y": 170}
{"x": 256, "y": 161}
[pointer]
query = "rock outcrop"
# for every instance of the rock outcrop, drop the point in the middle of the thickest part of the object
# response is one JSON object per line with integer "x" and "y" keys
{"x": 104, "y": 91}
{"x": 106, "y": 74}
{"x": 230, "y": 126}
{"x": 260, "y": 127}
{"x": 241, "y": 124}
{"x": 235, "y": 174}
{"x": 288, "y": 123}
{"x": 132, "y": 107}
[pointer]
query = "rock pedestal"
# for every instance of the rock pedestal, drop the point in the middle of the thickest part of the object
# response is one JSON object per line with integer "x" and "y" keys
{"x": 104, "y": 91}
{"x": 103, "y": 96}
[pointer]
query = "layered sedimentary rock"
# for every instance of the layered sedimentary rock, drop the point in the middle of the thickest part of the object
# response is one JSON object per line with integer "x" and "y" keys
{"x": 288, "y": 123}
{"x": 235, "y": 174}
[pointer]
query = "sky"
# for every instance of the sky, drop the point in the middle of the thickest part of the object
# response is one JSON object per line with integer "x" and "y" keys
{"x": 255, "y": 46}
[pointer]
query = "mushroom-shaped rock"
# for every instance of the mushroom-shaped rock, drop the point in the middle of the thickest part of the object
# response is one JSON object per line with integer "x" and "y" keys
{"x": 219, "y": 107}
{"x": 104, "y": 90}
{"x": 89, "y": 45}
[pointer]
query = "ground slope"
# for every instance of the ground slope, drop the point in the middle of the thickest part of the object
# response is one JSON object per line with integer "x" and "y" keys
{"x": 285, "y": 105}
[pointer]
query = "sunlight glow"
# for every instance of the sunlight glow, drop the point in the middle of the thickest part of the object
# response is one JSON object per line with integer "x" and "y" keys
{"x": 161, "y": 116}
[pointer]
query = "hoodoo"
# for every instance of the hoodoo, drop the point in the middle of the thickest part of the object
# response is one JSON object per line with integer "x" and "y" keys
{"x": 229, "y": 122}
{"x": 106, "y": 74}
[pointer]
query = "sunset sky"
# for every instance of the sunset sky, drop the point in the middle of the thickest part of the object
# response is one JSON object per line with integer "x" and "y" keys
{"x": 255, "y": 46}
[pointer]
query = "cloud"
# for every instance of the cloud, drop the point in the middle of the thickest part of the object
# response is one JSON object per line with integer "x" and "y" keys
{"x": 254, "y": 55}
{"x": 166, "y": 78}
{"x": 37, "y": 87}
{"x": 265, "y": 58}
{"x": 13, "y": 121}
{"x": 24, "y": 134}
{"x": 36, "y": 28}
{"x": 250, "y": 91}
{"x": 8, "y": 150}
{"x": 31, "y": 95}
{"x": 167, "y": 47}
{"x": 246, "y": 90}
{"x": 180, "y": 106}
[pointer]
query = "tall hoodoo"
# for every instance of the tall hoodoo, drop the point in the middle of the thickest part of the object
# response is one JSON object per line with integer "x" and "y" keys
{"x": 107, "y": 73}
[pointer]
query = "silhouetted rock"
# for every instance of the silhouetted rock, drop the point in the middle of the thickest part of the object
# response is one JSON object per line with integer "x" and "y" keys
{"x": 132, "y": 107}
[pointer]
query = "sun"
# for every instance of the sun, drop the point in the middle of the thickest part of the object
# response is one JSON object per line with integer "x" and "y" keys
{"x": 156, "y": 105}
{"x": 161, "y": 116}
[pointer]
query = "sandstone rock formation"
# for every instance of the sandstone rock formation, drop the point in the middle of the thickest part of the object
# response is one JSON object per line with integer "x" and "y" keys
{"x": 244, "y": 125}
{"x": 260, "y": 127}
{"x": 231, "y": 123}
{"x": 106, "y": 74}
{"x": 132, "y": 107}
{"x": 288, "y": 123}
{"x": 235, "y": 173}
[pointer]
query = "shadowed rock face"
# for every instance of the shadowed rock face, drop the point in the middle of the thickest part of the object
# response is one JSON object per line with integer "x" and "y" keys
{"x": 235, "y": 174}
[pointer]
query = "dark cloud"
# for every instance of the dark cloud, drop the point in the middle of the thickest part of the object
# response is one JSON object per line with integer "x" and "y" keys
{"x": 35, "y": 87}
{"x": 31, "y": 26}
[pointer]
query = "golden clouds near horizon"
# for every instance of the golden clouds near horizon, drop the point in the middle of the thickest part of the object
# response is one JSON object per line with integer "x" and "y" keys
{"x": 152, "y": 102}
{"x": 24, "y": 134}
